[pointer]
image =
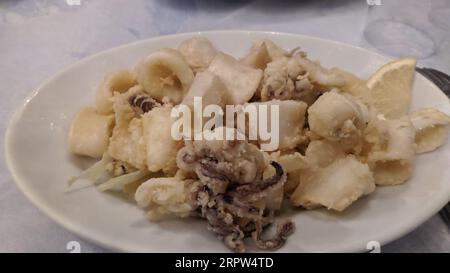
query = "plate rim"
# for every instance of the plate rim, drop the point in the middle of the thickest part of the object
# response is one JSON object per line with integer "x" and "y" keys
{"x": 384, "y": 239}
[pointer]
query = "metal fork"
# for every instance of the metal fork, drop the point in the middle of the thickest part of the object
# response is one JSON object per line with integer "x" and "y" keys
{"x": 441, "y": 80}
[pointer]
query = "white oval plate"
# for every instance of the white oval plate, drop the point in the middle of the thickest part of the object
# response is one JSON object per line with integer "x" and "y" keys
{"x": 40, "y": 163}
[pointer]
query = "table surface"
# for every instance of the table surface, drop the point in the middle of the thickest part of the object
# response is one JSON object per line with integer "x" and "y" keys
{"x": 39, "y": 38}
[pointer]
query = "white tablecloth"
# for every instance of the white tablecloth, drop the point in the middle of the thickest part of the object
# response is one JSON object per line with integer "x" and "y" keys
{"x": 38, "y": 38}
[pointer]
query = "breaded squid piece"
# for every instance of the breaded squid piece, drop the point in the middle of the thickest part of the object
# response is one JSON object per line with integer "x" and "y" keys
{"x": 285, "y": 79}
{"x": 321, "y": 153}
{"x": 336, "y": 186}
{"x": 290, "y": 160}
{"x": 209, "y": 87}
{"x": 161, "y": 148}
{"x": 292, "y": 182}
{"x": 258, "y": 57}
{"x": 339, "y": 117}
{"x": 319, "y": 74}
{"x": 290, "y": 124}
{"x": 392, "y": 151}
{"x": 293, "y": 164}
{"x": 120, "y": 82}
{"x": 431, "y": 128}
{"x": 198, "y": 52}
{"x": 165, "y": 73}
{"x": 234, "y": 197}
{"x": 245, "y": 161}
{"x": 241, "y": 81}
{"x": 353, "y": 85}
{"x": 262, "y": 52}
{"x": 89, "y": 133}
{"x": 126, "y": 143}
{"x": 166, "y": 196}
{"x": 275, "y": 52}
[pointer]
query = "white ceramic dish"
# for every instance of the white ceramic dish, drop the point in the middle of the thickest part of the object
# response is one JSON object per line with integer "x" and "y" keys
{"x": 40, "y": 163}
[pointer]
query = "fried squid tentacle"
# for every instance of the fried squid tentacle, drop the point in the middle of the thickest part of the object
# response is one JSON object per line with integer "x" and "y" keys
{"x": 236, "y": 204}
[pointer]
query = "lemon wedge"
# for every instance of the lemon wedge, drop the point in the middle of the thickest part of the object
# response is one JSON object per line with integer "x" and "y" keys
{"x": 390, "y": 87}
